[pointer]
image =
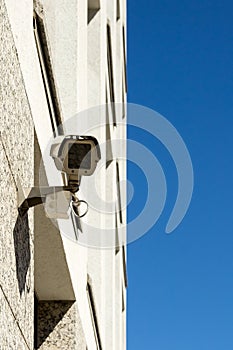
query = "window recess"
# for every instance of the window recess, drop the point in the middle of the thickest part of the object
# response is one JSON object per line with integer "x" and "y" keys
{"x": 94, "y": 4}
{"x": 93, "y": 8}
{"x": 93, "y": 315}
{"x": 110, "y": 74}
{"x": 47, "y": 75}
{"x": 109, "y": 155}
{"x": 124, "y": 266}
{"x": 118, "y": 192}
{"x": 118, "y": 11}
{"x": 123, "y": 300}
{"x": 117, "y": 243}
{"x": 124, "y": 57}
{"x": 123, "y": 99}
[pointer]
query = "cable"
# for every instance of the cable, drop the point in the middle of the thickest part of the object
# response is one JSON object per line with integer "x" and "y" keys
{"x": 76, "y": 204}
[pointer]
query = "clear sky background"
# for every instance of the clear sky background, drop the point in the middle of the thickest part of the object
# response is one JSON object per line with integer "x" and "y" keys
{"x": 180, "y": 63}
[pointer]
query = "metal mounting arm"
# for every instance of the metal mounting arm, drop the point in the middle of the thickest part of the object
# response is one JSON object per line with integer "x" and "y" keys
{"x": 37, "y": 195}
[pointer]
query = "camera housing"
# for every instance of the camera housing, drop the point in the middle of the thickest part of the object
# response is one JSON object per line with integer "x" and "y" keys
{"x": 76, "y": 155}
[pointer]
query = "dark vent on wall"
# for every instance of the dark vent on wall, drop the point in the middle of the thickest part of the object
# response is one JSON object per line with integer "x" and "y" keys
{"x": 47, "y": 75}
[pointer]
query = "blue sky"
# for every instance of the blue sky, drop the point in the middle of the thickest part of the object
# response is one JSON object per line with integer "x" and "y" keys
{"x": 180, "y": 63}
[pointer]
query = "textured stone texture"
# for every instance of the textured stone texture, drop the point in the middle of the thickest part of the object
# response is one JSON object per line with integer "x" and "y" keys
{"x": 16, "y": 159}
{"x": 11, "y": 335}
{"x": 59, "y": 326}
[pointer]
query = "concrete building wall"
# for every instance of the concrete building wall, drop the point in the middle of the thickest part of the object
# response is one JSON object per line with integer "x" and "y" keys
{"x": 80, "y": 291}
{"x": 17, "y": 166}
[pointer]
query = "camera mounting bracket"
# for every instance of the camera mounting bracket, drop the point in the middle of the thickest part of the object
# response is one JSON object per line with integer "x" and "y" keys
{"x": 30, "y": 197}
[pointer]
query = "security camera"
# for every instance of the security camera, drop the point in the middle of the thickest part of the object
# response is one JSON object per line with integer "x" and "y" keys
{"x": 75, "y": 156}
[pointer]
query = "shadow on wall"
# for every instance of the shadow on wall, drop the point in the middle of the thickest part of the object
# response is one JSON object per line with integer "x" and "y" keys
{"x": 22, "y": 251}
{"x": 49, "y": 315}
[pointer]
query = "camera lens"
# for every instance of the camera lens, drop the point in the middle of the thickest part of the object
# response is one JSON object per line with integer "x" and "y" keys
{"x": 79, "y": 156}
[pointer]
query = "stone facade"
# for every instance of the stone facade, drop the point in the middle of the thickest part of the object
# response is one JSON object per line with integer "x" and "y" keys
{"x": 55, "y": 294}
{"x": 60, "y": 326}
{"x": 17, "y": 167}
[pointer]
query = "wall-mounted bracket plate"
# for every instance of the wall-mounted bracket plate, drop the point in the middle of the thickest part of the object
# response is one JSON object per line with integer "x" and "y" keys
{"x": 56, "y": 199}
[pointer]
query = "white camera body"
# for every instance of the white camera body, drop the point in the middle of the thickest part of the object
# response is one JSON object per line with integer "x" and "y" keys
{"x": 76, "y": 155}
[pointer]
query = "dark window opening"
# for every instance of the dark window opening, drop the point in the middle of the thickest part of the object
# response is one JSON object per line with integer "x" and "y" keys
{"x": 124, "y": 266}
{"x": 123, "y": 99}
{"x": 124, "y": 55}
{"x": 119, "y": 191}
{"x": 47, "y": 75}
{"x": 110, "y": 74}
{"x": 123, "y": 300}
{"x": 118, "y": 12}
{"x": 117, "y": 243}
{"x": 93, "y": 316}
{"x": 93, "y": 8}
{"x": 109, "y": 155}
